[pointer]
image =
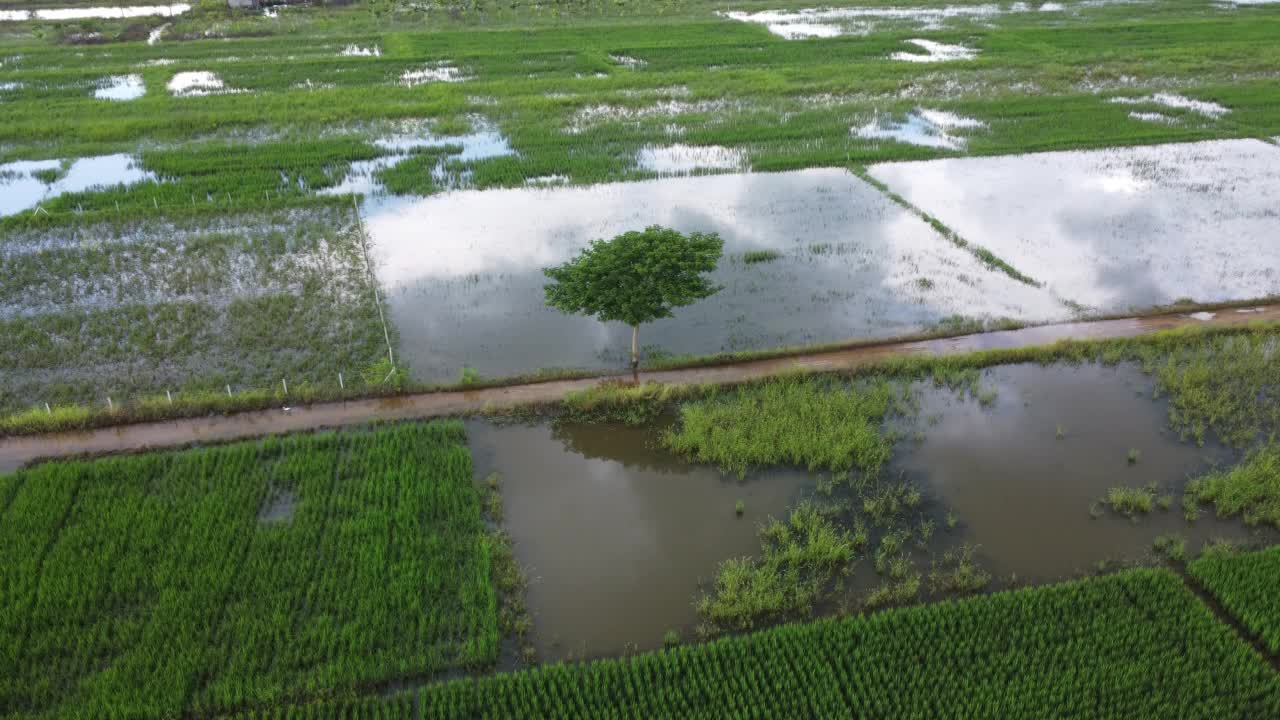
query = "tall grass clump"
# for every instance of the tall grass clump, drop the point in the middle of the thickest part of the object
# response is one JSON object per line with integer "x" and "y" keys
{"x": 817, "y": 423}
{"x": 799, "y": 558}
{"x": 1131, "y": 501}
{"x": 1251, "y": 488}
{"x": 628, "y": 403}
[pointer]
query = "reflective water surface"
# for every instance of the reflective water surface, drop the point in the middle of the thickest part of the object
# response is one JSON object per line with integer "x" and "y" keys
{"x": 22, "y": 187}
{"x": 614, "y": 534}
{"x": 463, "y": 270}
{"x": 1118, "y": 228}
{"x": 1027, "y": 495}
{"x": 618, "y": 536}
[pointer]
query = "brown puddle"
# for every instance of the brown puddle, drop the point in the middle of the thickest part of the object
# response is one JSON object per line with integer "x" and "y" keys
{"x": 614, "y": 534}
{"x": 1025, "y": 495}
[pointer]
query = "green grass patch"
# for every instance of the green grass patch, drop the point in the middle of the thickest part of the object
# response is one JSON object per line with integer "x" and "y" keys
{"x": 800, "y": 557}
{"x": 1130, "y": 501}
{"x": 810, "y": 422}
{"x": 1251, "y": 488}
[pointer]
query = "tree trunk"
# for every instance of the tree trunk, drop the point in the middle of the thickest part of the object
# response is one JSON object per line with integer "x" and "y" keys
{"x": 635, "y": 346}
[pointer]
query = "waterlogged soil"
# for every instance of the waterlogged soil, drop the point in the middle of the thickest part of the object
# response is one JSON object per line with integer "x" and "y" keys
{"x": 615, "y": 534}
{"x": 1119, "y": 228}
{"x": 463, "y": 270}
{"x": 618, "y": 536}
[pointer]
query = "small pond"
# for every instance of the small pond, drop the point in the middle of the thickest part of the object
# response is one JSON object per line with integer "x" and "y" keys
{"x": 618, "y": 536}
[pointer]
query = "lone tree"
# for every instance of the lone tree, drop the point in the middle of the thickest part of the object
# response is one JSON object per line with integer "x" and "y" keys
{"x": 637, "y": 277}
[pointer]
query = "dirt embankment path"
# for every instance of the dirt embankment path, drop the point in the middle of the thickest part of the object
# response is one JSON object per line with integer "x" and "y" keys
{"x": 18, "y": 451}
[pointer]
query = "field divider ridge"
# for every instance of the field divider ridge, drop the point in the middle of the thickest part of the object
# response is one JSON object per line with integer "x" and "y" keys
{"x": 1207, "y": 599}
{"x": 985, "y": 256}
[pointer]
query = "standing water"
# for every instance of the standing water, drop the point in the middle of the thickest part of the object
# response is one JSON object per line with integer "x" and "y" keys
{"x": 1118, "y": 228}
{"x": 618, "y": 536}
{"x": 1026, "y": 476}
{"x": 614, "y": 534}
{"x": 464, "y": 276}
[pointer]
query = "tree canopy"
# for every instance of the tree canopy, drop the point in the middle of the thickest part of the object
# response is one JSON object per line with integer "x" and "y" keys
{"x": 637, "y": 277}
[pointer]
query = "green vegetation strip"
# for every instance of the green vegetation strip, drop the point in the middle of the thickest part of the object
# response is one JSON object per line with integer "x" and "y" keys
{"x": 209, "y": 580}
{"x": 1133, "y": 645}
{"x": 1220, "y": 381}
{"x": 1248, "y": 586}
{"x": 789, "y": 421}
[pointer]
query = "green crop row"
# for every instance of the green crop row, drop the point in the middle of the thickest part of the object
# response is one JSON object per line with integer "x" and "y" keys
{"x": 1134, "y": 645}
{"x": 1041, "y": 81}
{"x": 1248, "y": 586}
{"x": 208, "y": 580}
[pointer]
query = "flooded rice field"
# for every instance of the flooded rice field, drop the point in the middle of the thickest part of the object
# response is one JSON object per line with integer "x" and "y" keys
{"x": 1119, "y": 228}
{"x": 820, "y": 22}
{"x": 85, "y": 13}
{"x": 463, "y": 270}
{"x": 618, "y": 536}
{"x": 1026, "y": 474}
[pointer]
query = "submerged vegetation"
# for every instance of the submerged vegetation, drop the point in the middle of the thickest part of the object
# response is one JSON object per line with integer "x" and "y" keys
{"x": 201, "y": 309}
{"x": 1250, "y": 489}
{"x": 800, "y": 557}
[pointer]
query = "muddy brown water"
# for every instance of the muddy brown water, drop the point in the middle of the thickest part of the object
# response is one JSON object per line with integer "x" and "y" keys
{"x": 1025, "y": 494}
{"x": 614, "y": 534}
{"x": 619, "y": 536}
{"x": 18, "y": 451}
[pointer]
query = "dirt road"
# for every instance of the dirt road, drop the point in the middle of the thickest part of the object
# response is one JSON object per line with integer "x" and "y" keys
{"x": 17, "y": 451}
